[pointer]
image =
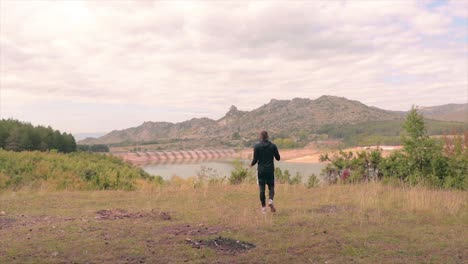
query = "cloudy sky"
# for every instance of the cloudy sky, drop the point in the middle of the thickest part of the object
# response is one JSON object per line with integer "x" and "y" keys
{"x": 98, "y": 66}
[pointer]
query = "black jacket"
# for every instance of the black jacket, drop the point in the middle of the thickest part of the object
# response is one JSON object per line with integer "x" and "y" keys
{"x": 264, "y": 152}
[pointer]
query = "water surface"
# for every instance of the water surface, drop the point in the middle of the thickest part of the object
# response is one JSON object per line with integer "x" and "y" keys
{"x": 223, "y": 168}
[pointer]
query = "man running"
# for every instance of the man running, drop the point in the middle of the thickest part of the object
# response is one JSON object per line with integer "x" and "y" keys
{"x": 264, "y": 152}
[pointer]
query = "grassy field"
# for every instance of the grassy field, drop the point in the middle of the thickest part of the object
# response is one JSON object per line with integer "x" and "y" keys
{"x": 367, "y": 223}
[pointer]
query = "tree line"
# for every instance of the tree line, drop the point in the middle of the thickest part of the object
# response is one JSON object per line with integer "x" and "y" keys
{"x": 20, "y": 136}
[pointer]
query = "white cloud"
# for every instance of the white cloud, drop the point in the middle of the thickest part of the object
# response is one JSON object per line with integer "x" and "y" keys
{"x": 202, "y": 57}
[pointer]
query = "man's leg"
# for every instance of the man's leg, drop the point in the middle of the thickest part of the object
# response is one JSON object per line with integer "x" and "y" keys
{"x": 271, "y": 192}
{"x": 261, "y": 185}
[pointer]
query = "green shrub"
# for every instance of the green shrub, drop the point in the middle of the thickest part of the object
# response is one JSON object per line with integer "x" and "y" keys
{"x": 282, "y": 176}
{"x": 208, "y": 175}
{"x": 240, "y": 173}
{"x": 238, "y": 176}
{"x": 285, "y": 177}
{"x": 425, "y": 160}
{"x": 156, "y": 180}
{"x": 349, "y": 167}
{"x": 297, "y": 179}
{"x": 313, "y": 181}
{"x": 72, "y": 171}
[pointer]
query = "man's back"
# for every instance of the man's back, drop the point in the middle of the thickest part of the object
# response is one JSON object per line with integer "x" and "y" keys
{"x": 264, "y": 152}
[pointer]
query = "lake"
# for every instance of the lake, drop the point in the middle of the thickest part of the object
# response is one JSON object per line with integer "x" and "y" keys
{"x": 223, "y": 168}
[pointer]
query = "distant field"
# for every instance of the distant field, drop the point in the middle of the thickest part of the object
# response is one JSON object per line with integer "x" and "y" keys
{"x": 367, "y": 223}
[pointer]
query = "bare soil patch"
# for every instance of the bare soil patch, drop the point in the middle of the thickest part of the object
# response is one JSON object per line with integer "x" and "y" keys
{"x": 329, "y": 209}
{"x": 222, "y": 244}
{"x": 29, "y": 220}
{"x": 6, "y": 222}
{"x": 114, "y": 214}
{"x": 189, "y": 230}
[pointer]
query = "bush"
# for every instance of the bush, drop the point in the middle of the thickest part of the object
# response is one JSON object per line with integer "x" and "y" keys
{"x": 427, "y": 161}
{"x": 240, "y": 174}
{"x": 330, "y": 174}
{"x": 423, "y": 160}
{"x": 349, "y": 167}
{"x": 313, "y": 181}
{"x": 208, "y": 175}
{"x": 73, "y": 171}
{"x": 297, "y": 179}
{"x": 157, "y": 179}
{"x": 282, "y": 177}
{"x": 285, "y": 177}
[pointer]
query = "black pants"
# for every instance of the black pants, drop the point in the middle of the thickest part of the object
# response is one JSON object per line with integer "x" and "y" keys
{"x": 266, "y": 179}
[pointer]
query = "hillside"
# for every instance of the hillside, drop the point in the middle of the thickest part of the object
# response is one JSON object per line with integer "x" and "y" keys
{"x": 80, "y": 136}
{"x": 385, "y": 132}
{"x": 299, "y": 118}
{"x": 448, "y": 112}
{"x": 282, "y": 117}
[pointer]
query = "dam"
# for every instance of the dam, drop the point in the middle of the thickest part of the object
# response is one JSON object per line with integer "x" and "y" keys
{"x": 176, "y": 156}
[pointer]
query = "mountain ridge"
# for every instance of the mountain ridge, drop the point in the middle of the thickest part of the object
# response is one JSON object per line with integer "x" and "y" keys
{"x": 282, "y": 117}
{"x": 446, "y": 112}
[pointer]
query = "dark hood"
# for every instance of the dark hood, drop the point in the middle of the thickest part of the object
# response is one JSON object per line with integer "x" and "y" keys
{"x": 265, "y": 143}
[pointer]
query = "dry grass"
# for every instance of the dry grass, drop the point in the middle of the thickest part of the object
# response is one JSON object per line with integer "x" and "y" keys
{"x": 366, "y": 223}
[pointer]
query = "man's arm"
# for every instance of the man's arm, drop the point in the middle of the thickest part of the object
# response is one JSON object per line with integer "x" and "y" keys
{"x": 276, "y": 153}
{"x": 255, "y": 157}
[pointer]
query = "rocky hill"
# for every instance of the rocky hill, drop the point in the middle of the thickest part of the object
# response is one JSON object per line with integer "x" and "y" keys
{"x": 448, "y": 112}
{"x": 282, "y": 117}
